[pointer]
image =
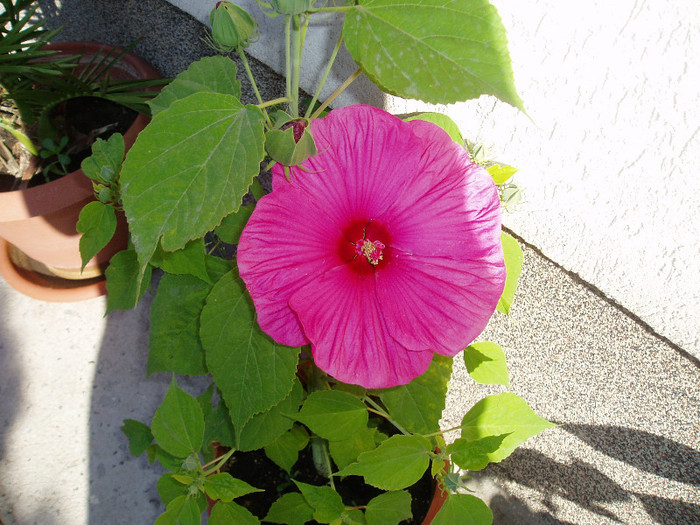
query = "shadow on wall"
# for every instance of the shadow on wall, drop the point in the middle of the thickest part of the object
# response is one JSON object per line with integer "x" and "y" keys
{"x": 590, "y": 489}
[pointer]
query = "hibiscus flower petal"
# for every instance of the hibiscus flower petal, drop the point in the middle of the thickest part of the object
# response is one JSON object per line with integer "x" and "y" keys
{"x": 340, "y": 314}
{"x": 437, "y": 303}
{"x": 284, "y": 245}
{"x": 363, "y": 166}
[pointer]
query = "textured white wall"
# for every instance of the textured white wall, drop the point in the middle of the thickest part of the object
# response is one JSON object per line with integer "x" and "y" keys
{"x": 610, "y": 158}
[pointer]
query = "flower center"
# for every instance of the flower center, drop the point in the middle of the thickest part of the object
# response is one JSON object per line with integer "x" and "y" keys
{"x": 372, "y": 250}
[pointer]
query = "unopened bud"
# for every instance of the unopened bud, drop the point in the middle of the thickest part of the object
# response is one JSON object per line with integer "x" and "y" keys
{"x": 231, "y": 26}
{"x": 292, "y": 143}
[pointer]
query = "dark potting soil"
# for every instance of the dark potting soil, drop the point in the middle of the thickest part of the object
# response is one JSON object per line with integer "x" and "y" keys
{"x": 83, "y": 120}
{"x": 261, "y": 472}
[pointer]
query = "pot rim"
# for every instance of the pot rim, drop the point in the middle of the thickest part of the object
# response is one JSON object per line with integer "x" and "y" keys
{"x": 74, "y": 187}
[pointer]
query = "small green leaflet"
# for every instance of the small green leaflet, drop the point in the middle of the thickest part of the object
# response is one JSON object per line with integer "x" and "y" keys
{"x": 389, "y": 508}
{"x": 291, "y": 509}
{"x": 222, "y": 486}
{"x": 178, "y": 424}
{"x": 501, "y": 414}
{"x": 230, "y": 514}
{"x": 513, "y": 255}
{"x": 397, "y": 463}
{"x": 180, "y": 511}
{"x": 333, "y": 414}
{"x": 486, "y": 363}
{"x": 139, "y": 435}
{"x": 463, "y": 509}
{"x": 326, "y": 502}
{"x": 97, "y": 223}
{"x": 124, "y": 289}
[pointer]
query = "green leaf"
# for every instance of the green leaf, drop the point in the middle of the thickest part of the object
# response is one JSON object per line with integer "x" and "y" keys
{"x": 232, "y": 339}
{"x": 501, "y": 174}
{"x": 397, "y": 463}
{"x": 180, "y": 511}
{"x": 290, "y": 509}
{"x": 418, "y": 405}
{"x": 174, "y": 335}
{"x": 97, "y": 223}
{"x": 333, "y": 414}
{"x": 139, "y": 435}
{"x": 284, "y": 451}
{"x": 326, "y": 502}
{"x": 168, "y": 461}
{"x": 232, "y": 225}
{"x": 105, "y": 162}
{"x": 178, "y": 424}
{"x": 513, "y": 254}
{"x": 474, "y": 455}
{"x": 189, "y": 169}
{"x": 439, "y": 51}
{"x": 218, "y": 427}
{"x": 346, "y": 451}
{"x": 500, "y": 414}
{"x": 443, "y": 121}
{"x": 223, "y": 486}
{"x": 169, "y": 488}
{"x": 211, "y": 74}
{"x": 191, "y": 260}
{"x": 486, "y": 363}
{"x": 230, "y": 514}
{"x": 264, "y": 428}
{"x": 464, "y": 509}
{"x": 389, "y": 508}
{"x": 124, "y": 289}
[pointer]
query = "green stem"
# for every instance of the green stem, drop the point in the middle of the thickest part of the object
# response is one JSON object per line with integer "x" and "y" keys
{"x": 441, "y": 432}
{"x": 325, "y": 75}
{"x": 244, "y": 59}
{"x": 341, "y": 9}
{"x": 272, "y": 102}
{"x": 296, "y": 65}
{"x": 381, "y": 412}
{"x": 288, "y": 54}
{"x": 218, "y": 462}
{"x": 337, "y": 92}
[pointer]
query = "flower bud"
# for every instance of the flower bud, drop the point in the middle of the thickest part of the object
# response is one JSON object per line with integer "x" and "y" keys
{"x": 231, "y": 26}
{"x": 291, "y": 143}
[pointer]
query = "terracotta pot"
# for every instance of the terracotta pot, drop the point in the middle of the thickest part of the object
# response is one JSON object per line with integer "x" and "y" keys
{"x": 41, "y": 257}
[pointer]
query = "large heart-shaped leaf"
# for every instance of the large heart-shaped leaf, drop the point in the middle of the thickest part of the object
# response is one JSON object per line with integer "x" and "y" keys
{"x": 252, "y": 372}
{"x": 439, "y": 51}
{"x": 215, "y": 74}
{"x": 190, "y": 168}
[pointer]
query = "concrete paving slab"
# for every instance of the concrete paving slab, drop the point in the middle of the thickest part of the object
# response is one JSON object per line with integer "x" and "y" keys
{"x": 628, "y": 403}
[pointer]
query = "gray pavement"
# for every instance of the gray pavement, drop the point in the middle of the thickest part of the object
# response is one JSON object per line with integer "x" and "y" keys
{"x": 628, "y": 403}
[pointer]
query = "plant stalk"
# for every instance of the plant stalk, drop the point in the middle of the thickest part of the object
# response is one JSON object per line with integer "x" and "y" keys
{"x": 337, "y": 92}
{"x": 334, "y": 54}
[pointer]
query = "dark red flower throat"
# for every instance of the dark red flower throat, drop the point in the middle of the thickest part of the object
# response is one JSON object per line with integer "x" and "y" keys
{"x": 365, "y": 246}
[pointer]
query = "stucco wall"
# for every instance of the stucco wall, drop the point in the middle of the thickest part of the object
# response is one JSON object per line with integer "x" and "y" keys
{"x": 610, "y": 153}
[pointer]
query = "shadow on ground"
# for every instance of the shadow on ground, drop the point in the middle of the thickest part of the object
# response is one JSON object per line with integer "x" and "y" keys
{"x": 590, "y": 489}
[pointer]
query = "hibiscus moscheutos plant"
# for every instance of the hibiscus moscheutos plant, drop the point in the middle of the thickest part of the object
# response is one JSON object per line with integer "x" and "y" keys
{"x": 326, "y": 313}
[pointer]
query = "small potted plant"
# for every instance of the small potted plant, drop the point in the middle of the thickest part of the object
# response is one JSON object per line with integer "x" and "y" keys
{"x": 328, "y": 312}
{"x": 56, "y": 100}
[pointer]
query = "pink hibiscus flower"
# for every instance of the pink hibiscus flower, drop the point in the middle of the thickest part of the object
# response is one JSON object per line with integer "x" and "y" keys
{"x": 379, "y": 251}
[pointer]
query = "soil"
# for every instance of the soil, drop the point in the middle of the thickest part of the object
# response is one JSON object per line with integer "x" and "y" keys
{"x": 83, "y": 120}
{"x": 258, "y": 470}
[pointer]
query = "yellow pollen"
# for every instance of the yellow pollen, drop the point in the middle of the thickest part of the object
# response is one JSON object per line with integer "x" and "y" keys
{"x": 371, "y": 252}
